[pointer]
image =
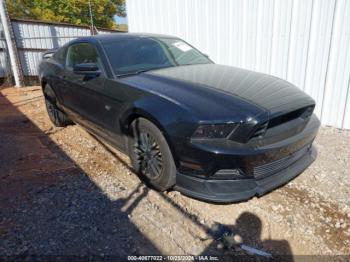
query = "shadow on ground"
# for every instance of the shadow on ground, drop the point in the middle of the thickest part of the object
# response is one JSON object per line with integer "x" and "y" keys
{"x": 50, "y": 206}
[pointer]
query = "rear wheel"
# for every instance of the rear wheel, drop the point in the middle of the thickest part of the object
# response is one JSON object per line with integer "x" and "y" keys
{"x": 150, "y": 155}
{"x": 57, "y": 117}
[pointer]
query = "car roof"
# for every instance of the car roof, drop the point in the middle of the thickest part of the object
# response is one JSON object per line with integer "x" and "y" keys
{"x": 116, "y": 36}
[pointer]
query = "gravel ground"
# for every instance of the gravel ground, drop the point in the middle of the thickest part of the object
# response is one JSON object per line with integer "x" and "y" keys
{"x": 65, "y": 193}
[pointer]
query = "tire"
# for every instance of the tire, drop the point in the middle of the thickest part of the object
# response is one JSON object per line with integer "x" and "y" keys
{"x": 150, "y": 155}
{"x": 57, "y": 116}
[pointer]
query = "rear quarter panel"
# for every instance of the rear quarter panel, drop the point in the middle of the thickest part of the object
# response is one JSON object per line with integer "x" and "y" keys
{"x": 50, "y": 72}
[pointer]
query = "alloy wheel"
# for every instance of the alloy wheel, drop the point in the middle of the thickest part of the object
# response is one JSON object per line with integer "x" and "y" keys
{"x": 149, "y": 156}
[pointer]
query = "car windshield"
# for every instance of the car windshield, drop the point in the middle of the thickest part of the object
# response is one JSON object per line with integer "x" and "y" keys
{"x": 141, "y": 54}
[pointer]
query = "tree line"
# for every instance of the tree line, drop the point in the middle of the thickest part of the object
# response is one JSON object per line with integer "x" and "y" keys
{"x": 68, "y": 11}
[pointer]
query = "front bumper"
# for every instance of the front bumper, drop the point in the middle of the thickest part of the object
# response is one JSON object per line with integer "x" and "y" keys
{"x": 224, "y": 191}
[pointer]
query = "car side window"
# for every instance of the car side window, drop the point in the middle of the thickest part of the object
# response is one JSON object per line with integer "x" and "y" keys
{"x": 82, "y": 53}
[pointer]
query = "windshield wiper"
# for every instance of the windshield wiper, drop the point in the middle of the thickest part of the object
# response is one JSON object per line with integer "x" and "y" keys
{"x": 132, "y": 73}
{"x": 141, "y": 71}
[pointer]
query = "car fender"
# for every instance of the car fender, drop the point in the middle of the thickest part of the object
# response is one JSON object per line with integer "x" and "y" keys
{"x": 170, "y": 117}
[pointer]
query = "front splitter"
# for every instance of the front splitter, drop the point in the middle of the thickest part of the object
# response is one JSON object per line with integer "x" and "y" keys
{"x": 228, "y": 191}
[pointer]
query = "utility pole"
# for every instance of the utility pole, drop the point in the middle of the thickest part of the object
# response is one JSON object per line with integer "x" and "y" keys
{"x": 91, "y": 19}
{"x": 14, "y": 61}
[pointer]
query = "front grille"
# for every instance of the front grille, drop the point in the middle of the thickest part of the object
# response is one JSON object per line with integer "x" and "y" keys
{"x": 278, "y": 165}
{"x": 261, "y": 130}
{"x": 304, "y": 113}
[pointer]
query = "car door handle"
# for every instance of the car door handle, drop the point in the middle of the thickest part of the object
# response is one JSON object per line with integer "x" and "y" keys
{"x": 108, "y": 107}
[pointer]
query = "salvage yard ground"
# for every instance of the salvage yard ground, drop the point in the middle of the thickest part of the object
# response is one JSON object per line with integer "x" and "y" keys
{"x": 63, "y": 192}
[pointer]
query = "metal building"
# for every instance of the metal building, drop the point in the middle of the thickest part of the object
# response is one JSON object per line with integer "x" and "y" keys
{"x": 5, "y": 68}
{"x": 34, "y": 37}
{"x": 30, "y": 39}
{"x": 306, "y": 42}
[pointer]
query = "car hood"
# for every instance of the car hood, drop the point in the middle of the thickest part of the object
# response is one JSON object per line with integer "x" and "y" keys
{"x": 265, "y": 91}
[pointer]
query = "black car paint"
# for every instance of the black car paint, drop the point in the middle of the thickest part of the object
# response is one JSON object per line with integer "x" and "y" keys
{"x": 177, "y": 100}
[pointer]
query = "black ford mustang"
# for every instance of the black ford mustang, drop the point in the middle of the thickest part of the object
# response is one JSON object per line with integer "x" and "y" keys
{"x": 213, "y": 132}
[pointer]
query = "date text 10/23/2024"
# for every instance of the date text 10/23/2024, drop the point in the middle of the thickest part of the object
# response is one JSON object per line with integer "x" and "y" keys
{"x": 173, "y": 258}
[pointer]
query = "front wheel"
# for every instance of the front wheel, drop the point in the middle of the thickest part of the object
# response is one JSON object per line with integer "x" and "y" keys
{"x": 150, "y": 155}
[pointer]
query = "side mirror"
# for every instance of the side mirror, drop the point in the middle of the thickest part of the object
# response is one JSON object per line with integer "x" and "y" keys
{"x": 47, "y": 55}
{"x": 90, "y": 69}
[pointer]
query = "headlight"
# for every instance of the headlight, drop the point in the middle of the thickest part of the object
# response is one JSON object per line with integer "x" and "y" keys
{"x": 215, "y": 131}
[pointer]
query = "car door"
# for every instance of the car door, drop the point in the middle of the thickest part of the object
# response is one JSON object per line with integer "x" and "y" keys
{"x": 82, "y": 94}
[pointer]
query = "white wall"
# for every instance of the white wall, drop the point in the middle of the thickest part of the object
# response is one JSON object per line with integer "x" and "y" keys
{"x": 306, "y": 42}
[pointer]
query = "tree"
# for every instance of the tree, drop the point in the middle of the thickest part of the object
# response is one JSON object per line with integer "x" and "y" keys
{"x": 68, "y": 11}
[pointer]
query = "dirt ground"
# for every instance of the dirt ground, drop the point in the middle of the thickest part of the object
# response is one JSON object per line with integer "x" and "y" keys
{"x": 62, "y": 192}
